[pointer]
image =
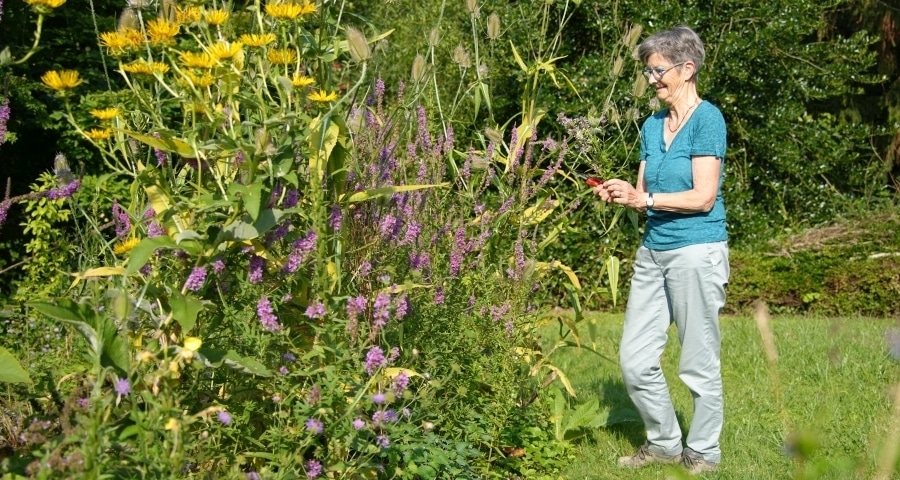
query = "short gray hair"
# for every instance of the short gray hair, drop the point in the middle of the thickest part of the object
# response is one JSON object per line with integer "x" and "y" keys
{"x": 677, "y": 44}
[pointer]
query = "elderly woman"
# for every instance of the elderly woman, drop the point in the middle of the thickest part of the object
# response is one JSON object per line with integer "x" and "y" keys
{"x": 681, "y": 268}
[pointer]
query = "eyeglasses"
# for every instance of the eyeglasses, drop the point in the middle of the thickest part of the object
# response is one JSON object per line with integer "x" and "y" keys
{"x": 658, "y": 72}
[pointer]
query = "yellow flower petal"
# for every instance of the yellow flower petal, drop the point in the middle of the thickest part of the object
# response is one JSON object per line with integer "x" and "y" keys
{"x": 98, "y": 135}
{"x": 217, "y": 17}
{"x": 172, "y": 424}
{"x": 126, "y": 246}
{"x": 192, "y": 343}
{"x": 257, "y": 40}
{"x": 64, "y": 80}
{"x": 322, "y": 96}
{"x": 106, "y": 113}
{"x": 302, "y": 81}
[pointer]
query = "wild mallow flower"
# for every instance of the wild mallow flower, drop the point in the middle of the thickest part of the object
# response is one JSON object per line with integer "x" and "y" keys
{"x": 267, "y": 315}
{"x": 224, "y": 417}
{"x": 196, "y": 279}
{"x": 375, "y": 359}
{"x": 314, "y": 425}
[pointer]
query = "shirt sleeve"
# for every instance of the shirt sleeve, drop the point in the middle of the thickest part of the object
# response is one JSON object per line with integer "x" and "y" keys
{"x": 710, "y": 135}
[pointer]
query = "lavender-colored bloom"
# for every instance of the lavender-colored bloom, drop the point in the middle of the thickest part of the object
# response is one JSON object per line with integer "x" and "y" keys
{"x": 4, "y": 210}
{"x": 315, "y": 310}
{"x": 155, "y": 230}
{"x": 497, "y": 313}
{"x": 295, "y": 259}
{"x": 314, "y": 395}
{"x": 238, "y": 158}
{"x": 382, "y": 310}
{"x": 122, "y": 387}
{"x": 402, "y": 307}
{"x": 218, "y": 266}
{"x": 224, "y": 417}
{"x": 283, "y": 370}
{"x": 121, "y": 220}
{"x": 378, "y": 398}
{"x": 196, "y": 279}
{"x": 364, "y": 269}
{"x": 388, "y": 226}
{"x": 67, "y": 191}
{"x": 257, "y": 264}
{"x": 337, "y": 218}
{"x": 413, "y": 229}
{"x": 313, "y": 469}
{"x": 356, "y": 306}
{"x": 278, "y": 232}
{"x": 439, "y": 295}
{"x": 289, "y": 357}
{"x": 401, "y": 382}
{"x": 4, "y": 107}
{"x": 308, "y": 243}
{"x": 379, "y": 91}
{"x": 314, "y": 425}
{"x": 252, "y": 476}
{"x": 359, "y": 424}
{"x": 267, "y": 315}
{"x": 383, "y": 441}
{"x": 291, "y": 198}
{"x": 393, "y": 355}
{"x": 375, "y": 359}
{"x": 509, "y": 328}
{"x": 161, "y": 156}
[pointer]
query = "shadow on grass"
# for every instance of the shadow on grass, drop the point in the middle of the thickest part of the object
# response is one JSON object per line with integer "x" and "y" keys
{"x": 624, "y": 421}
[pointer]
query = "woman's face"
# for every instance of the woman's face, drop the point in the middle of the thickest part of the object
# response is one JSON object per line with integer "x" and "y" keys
{"x": 665, "y": 77}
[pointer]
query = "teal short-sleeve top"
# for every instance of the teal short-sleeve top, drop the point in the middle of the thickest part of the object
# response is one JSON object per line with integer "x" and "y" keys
{"x": 670, "y": 171}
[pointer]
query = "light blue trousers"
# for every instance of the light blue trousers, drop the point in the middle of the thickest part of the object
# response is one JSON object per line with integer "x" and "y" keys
{"x": 685, "y": 286}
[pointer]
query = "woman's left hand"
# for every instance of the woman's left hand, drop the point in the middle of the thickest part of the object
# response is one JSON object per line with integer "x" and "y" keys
{"x": 619, "y": 191}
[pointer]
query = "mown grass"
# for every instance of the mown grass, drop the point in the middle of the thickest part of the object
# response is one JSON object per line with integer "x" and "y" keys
{"x": 829, "y": 398}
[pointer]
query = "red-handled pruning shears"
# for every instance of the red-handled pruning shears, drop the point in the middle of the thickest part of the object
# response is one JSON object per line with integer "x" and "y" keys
{"x": 591, "y": 181}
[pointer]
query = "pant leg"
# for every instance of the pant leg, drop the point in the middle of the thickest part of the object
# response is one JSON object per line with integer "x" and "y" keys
{"x": 647, "y": 317}
{"x": 696, "y": 277}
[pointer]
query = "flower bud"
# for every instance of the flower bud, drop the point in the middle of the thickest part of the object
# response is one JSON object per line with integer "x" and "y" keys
{"x": 461, "y": 57}
{"x": 493, "y": 26}
{"x": 434, "y": 37}
{"x": 472, "y": 6}
{"x": 418, "y": 69}
{"x": 359, "y": 47}
{"x": 617, "y": 66}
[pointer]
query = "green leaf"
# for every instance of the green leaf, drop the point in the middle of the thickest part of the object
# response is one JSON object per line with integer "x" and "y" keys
{"x": 141, "y": 253}
{"x": 165, "y": 142}
{"x": 10, "y": 369}
{"x": 246, "y": 229}
{"x": 365, "y": 195}
{"x": 612, "y": 273}
{"x": 185, "y": 309}
{"x": 245, "y": 364}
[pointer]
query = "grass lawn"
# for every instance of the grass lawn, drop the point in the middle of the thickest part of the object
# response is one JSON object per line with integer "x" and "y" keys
{"x": 833, "y": 387}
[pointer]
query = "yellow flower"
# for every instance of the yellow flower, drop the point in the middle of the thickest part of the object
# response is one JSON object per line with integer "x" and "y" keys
{"x": 308, "y": 8}
{"x": 43, "y": 6}
{"x": 116, "y": 42}
{"x": 126, "y": 246}
{"x": 217, "y": 17}
{"x": 223, "y": 50}
{"x": 162, "y": 30}
{"x": 188, "y": 15}
{"x": 134, "y": 35}
{"x": 322, "y": 96}
{"x": 197, "y": 60}
{"x": 172, "y": 424}
{"x": 200, "y": 81}
{"x": 284, "y": 11}
{"x": 106, "y": 113}
{"x": 254, "y": 40}
{"x": 281, "y": 56}
{"x": 61, "y": 81}
{"x": 302, "y": 81}
{"x": 98, "y": 135}
{"x": 138, "y": 67}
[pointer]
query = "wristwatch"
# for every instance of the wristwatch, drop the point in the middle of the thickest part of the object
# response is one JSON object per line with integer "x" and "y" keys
{"x": 649, "y": 201}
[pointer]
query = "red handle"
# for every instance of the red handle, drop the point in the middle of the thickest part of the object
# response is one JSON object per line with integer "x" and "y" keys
{"x": 592, "y": 182}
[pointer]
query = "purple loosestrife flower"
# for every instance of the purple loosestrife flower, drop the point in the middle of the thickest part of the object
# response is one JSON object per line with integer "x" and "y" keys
{"x": 379, "y": 91}
{"x": 402, "y": 307}
{"x": 314, "y": 425}
{"x": 267, "y": 315}
{"x": 257, "y": 264}
{"x": 359, "y": 424}
{"x": 365, "y": 269}
{"x": 337, "y": 218}
{"x": 4, "y": 107}
{"x": 122, "y": 387}
{"x": 509, "y": 328}
{"x": 4, "y": 210}
{"x": 314, "y": 395}
{"x": 278, "y": 232}
{"x": 382, "y": 308}
{"x": 375, "y": 359}
{"x": 439, "y": 296}
{"x": 315, "y": 310}
{"x": 66, "y": 191}
{"x": 356, "y": 306}
{"x": 291, "y": 198}
{"x": 394, "y": 355}
{"x": 401, "y": 382}
{"x": 224, "y": 417}
{"x": 196, "y": 279}
{"x": 218, "y": 266}
{"x": 313, "y": 469}
{"x": 161, "y": 156}
{"x": 155, "y": 230}
{"x": 121, "y": 220}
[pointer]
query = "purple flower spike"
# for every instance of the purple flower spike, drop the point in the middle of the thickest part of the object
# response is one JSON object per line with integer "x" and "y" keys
{"x": 375, "y": 359}
{"x": 196, "y": 279}
{"x": 313, "y": 469}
